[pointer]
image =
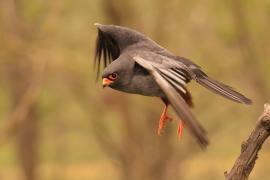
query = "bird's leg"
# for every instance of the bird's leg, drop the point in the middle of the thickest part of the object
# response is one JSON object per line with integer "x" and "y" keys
{"x": 163, "y": 119}
{"x": 180, "y": 128}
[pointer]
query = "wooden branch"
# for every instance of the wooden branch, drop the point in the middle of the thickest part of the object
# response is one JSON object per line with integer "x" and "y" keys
{"x": 250, "y": 148}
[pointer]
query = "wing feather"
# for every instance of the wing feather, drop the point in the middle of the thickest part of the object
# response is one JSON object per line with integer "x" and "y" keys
{"x": 179, "y": 75}
{"x": 178, "y": 78}
{"x": 219, "y": 88}
{"x": 107, "y": 50}
{"x": 174, "y": 83}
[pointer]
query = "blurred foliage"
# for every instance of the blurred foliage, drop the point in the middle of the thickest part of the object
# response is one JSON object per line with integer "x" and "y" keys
{"x": 57, "y": 123}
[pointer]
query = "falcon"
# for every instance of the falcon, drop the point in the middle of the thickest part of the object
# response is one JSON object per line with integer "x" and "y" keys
{"x": 136, "y": 64}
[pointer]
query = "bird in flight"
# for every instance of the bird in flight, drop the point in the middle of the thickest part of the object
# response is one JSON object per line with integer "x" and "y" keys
{"x": 136, "y": 64}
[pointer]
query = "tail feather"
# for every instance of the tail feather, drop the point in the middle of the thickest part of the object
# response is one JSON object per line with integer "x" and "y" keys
{"x": 221, "y": 89}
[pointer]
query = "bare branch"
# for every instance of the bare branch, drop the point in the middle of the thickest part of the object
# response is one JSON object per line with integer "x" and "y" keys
{"x": 250, "y": 148}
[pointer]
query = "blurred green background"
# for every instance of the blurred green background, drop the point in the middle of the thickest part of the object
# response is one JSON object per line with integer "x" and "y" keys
{"x": 57, "y": 123}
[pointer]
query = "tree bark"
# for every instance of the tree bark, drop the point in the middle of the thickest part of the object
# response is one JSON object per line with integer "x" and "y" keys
{"x": 250, "y": 148}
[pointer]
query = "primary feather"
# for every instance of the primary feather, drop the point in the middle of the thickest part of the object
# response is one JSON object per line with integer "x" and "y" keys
{"x": 220, "y": 88}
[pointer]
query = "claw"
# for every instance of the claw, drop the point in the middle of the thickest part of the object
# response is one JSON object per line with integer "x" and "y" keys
{"x": 180, "y": 129}
{"x": 163, "y": 119}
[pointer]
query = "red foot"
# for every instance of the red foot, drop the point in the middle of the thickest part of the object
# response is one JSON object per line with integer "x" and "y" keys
{"x": 163, "y": 120}
{"x": 180, "y": 128}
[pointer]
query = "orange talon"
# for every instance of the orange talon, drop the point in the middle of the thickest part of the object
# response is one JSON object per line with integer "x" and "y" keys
{"x": 163, "y": 119}
{"x": 180, "y": 128}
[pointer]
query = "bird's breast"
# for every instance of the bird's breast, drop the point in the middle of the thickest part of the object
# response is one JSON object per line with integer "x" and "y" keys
{"x": 143, "y": 85}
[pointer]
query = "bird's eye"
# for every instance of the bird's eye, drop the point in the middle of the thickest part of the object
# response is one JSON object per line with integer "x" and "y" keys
{"x": 113, "y": 76}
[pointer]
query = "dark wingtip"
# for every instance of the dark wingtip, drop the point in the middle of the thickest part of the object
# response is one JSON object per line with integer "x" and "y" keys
{"x": 203, "y": 142}
{"x": 243, "y": 99}
{"x": 106, "y": 51}
{"x": 247, "y": 101}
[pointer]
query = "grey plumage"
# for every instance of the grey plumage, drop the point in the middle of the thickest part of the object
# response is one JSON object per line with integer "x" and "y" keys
{"x": 146, "y": 68}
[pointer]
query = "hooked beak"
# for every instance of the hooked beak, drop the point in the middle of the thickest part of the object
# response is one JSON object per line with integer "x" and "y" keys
{"x": 106, "y": 82}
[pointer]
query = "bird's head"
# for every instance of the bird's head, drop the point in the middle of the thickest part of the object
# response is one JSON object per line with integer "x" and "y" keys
{"x": 113, "y": 43}
{"x": 117, "y": 74}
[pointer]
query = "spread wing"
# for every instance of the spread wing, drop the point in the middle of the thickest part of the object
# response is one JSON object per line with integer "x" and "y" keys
{"x": 165, "y": 74}
{"x": 107, "y": 50}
